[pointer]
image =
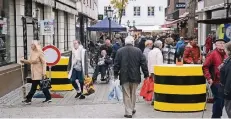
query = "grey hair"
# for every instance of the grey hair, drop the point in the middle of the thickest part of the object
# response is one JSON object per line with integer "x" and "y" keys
{"x": 158, "y": 44}
{"x": 129, "y": 40}
{"x": 228, "y": 48}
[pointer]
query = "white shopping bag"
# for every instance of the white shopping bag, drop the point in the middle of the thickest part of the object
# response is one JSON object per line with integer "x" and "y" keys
{"x": 115, "y": 91}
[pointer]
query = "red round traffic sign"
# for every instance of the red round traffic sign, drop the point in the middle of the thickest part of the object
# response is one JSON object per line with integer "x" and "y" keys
{"x": 52, "y": 55}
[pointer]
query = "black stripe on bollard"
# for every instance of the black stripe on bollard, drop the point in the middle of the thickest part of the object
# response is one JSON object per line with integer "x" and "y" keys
{"x": 58, "y": 68}
{"x": 60, "y": 81}
{"x": 174, "y": 98}
{"x": 179, "y": 80}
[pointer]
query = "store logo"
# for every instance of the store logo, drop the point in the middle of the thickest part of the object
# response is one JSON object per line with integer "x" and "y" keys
{"x": 180, "y": 5}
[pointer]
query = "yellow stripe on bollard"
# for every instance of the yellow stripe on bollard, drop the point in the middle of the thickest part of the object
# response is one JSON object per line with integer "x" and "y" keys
{"x": 180, "y": 89}
{"x": 171, "y": 70}
{"x": 170, "y": 107}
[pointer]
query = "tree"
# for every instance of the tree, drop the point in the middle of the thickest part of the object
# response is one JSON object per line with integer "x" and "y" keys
{"x": 192, "y": 4}
{"x": 120, "y": 5}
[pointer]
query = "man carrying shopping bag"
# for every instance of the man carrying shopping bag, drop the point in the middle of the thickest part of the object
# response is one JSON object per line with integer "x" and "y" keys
{"x": 127, "y": 65}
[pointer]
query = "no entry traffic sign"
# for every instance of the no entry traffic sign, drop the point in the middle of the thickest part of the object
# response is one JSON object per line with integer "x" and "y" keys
{"x": 52, "y": 55}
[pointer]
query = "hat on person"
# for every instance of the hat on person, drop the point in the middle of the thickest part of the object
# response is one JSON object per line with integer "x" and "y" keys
{"x": 220, "y": 40}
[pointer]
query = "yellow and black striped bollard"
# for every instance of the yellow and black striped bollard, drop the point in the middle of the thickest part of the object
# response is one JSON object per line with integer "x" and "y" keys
{"x": 179, "y": 88}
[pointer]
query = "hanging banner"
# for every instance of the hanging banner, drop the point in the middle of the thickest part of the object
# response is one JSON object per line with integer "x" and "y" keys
{"x": 47, "y": 27}
{"x": 227, "y": 32}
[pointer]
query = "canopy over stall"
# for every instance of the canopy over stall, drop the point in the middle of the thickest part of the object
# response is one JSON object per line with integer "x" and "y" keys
{"x": 152, "y": 28}
{"x": 104, "y": 26}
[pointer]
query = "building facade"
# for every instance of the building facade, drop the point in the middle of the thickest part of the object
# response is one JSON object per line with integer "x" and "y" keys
{"x": 18, "y": 29}
{"x": 145, "y": 14}
{"x": 172, "y": 13}
{"x": 213, "y": 10}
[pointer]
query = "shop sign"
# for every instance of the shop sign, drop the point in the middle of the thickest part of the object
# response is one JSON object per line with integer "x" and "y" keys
{"x": 180, "y": 5}
{"x": 47, "y": 27}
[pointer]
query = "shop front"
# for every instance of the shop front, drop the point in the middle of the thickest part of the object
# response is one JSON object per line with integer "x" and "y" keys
{"x": 9, "y": 70}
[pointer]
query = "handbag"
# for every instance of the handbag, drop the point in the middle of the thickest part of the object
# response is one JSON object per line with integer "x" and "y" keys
{"x": 88, "y": 86}
{"x": 147, "y": 89}
{"x": 45, "y": 83}
{"x": 78, "y": 65}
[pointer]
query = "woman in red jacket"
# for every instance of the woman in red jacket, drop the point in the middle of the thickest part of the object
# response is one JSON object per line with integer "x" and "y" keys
{"x": 192, "y": 52}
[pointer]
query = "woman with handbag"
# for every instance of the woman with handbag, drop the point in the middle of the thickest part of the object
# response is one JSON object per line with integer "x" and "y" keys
{"x": 38, "y": 71}
{"x": 76, "y": 68}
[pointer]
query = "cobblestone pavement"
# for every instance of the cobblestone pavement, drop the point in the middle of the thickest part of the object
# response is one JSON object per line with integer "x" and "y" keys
{"x": 95, "y": 105}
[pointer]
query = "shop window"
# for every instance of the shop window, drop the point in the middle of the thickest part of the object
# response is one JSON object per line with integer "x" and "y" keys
{"x": 7, "y": 34}
{"x": 28, "y": 8}
{"x": 77, "y": 32}
{"x": 105, "y": 10}
{"x": 65, "y": 31}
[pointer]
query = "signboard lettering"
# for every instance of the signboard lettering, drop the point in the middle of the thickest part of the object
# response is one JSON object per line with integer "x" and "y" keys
{"x": 180, "y": 5}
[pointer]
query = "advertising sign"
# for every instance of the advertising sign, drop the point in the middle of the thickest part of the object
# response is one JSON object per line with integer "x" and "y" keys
{"x": 47, "y": 27}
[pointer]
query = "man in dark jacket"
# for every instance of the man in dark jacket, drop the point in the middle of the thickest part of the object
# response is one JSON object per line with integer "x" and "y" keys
{"x": 127, "y": 65}
{"x": 210, "y": 68}
{"x": 142, "y": 44}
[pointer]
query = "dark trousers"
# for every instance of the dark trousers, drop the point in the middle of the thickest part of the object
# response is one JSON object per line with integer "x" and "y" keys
{"x": 74, "y": 84}
{"x": 33, "y": 89}
{"x": 218, "y": 101}
{"x": 102, "y": 69}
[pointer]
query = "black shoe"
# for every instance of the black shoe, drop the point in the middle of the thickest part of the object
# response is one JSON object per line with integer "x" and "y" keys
{"x": 78, "y": 94}
{"x": 128, "y": 116}
{"x": 152, "y": 103}
{"x": 103, "y": 79}
{"x": 47, "y": 100}
{"x": 82, "y": 97}
{"x": 27, "y": 102}
{"x": 133, "y": 112}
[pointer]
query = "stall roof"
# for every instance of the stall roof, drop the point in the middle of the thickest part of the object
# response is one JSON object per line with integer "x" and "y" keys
{"x": 104, "y": 26}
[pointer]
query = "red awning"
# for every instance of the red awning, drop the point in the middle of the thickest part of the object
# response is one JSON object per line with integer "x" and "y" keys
{"x": 169, "y": 24}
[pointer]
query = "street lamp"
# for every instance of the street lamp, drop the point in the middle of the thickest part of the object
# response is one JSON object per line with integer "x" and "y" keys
{"x": 109, "y": 15}
{"x": 128, "y": 24}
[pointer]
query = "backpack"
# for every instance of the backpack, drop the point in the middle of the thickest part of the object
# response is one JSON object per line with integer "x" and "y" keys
{"x": 179, "y": 45}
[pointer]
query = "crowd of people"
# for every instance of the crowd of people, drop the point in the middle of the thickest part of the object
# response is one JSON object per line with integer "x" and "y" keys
{"x": 131, "y": 55}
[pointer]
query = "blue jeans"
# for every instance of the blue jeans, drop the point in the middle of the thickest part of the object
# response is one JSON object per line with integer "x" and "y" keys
{"x": 218, "y": 101}
{"x": 77, "y": 75}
